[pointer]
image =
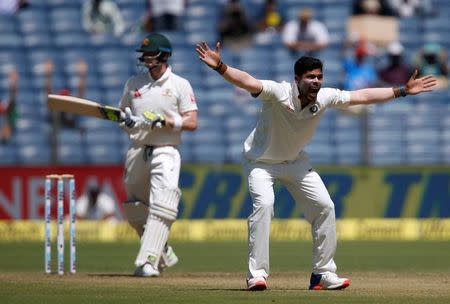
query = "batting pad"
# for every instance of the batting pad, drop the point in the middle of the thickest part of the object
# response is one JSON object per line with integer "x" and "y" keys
{"x": 136, "y": 214}
{"x": 155, "y": 236}
{"x": 164, "y": 203}
{"x": 163, "y": 212}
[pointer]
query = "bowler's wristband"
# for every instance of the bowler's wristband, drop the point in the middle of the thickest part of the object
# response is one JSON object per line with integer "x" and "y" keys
{"x": 221, "y": 67}
{"x": 399, "y": 91}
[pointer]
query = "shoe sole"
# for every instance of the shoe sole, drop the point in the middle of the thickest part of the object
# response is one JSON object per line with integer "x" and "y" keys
{"x": 146, "y": 276}
{"x": 344, "y": 285}
{"x": 259, "y": 286}
{"x": 141, "y": 273}
{"x": 320, "y": 287}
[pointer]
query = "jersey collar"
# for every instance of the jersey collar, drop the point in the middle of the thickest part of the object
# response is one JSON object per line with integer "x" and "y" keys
{"x": 296, "y": 99}
{"x": 297, "y": 103}
{"x": 164, "y": 76}
{"x": 310, "y": 110}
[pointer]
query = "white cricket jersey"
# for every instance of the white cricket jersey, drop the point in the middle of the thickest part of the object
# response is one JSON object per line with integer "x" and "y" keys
{"x": 284, "y": 128}
{"x": 170, "y": 93}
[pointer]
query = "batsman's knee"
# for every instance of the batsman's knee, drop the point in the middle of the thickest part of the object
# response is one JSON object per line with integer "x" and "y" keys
{"x": 328, "y": 207}
{"x": 164, "y": 204}
{"x": 136, "y": 213}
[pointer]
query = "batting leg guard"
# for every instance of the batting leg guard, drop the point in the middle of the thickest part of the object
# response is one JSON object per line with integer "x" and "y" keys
{"x": 136, "y": 214}
{"x": 163, "y": 212}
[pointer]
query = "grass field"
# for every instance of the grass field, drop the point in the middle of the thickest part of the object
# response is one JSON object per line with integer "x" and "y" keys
{"x": 380, "y": 272}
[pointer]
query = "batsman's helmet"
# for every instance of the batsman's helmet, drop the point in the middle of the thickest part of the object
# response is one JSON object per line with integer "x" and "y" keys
{"x": 155, "y": 42}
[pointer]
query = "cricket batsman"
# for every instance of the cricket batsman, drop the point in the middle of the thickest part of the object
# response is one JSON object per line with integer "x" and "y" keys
{"x": 157, "y": 106}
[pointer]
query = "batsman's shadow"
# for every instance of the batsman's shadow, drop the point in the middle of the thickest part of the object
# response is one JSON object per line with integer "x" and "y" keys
{"x": 124, "y": 275}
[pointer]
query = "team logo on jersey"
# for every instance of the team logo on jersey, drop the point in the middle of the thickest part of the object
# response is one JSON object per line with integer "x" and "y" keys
{"x": 137, "y": 94}
{"x": 314, "y": 109}
{"x": 167, "y": 92}
{"x": 192, "y": 98}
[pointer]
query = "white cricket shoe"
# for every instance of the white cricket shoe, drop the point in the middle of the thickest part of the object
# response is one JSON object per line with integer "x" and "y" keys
{"x": 328, "y": 281}
{"x": 168, "y": 259}
{"x": 146, "y": 270}
{"x": 256, "y": 284}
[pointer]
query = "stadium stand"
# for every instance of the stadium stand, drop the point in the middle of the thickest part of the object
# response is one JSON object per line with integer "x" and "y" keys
{"x": 411, "y": 131}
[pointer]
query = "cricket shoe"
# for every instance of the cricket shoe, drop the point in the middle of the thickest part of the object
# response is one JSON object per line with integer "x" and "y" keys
{"x": 146, "y": 270}
{"x": 327, "y": 281}
{"x": 256, "y": 284}
{"x": 168, "y": 259}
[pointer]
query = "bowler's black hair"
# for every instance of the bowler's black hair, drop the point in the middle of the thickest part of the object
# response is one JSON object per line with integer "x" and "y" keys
{"x": 305, "y": 64}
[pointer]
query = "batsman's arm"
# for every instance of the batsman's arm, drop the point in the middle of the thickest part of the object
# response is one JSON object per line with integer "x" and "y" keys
{"x": 187, "y": 121}
{"x": 233, "y": 75}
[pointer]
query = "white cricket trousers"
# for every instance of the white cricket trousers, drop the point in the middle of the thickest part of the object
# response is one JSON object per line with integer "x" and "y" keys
{"x": 146, "y": 173}
{"x": 309, "y": 191}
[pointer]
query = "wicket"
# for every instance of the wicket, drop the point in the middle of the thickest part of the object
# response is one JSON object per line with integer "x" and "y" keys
{"x": 60, "y": 179}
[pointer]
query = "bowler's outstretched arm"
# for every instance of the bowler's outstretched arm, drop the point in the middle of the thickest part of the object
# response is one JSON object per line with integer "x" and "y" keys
{"x": 414, "y": 86}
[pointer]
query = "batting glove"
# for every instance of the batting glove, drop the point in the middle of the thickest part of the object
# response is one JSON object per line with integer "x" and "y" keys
{"x": 154, "y": 119}
{"x": 129, "y": 121}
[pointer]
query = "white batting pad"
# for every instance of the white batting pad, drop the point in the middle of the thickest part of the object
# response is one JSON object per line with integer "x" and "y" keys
{"x": 163, "y": 212}
{"x": 153, "y": 240}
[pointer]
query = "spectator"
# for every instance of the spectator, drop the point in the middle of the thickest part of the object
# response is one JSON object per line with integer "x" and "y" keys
{"x": 372, "y": 7}
{"x": 66, "y": 120}
{"x": 95, "y": 205}
{"x": 102, "y": 17}
{"x": 235, "y": 31}
{"x": 396, "y": 72}
{"x": 373, "y": 21}
{"x": 8, "y": 113}
{"x": 409, "y": 8}
{"x": 359, "y": 72}
{"x": 432, "y": 59}
{"x": 11, "y": 7}
{"x": 269, "y": 22}
{"x": 305, "y": 34}
{"x": 163, "y": 15}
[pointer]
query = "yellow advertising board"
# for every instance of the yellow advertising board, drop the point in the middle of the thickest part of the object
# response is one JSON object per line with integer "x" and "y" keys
{"x": 226, "y": 230}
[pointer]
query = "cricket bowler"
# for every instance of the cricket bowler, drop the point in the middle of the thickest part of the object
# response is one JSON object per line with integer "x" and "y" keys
{"x": 274, "y": 151}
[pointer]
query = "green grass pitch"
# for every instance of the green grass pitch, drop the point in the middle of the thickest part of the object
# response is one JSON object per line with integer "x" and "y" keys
{"x": 214, "y": 272}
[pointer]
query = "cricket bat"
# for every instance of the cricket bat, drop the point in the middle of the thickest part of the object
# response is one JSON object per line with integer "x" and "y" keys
{"x": 81, "y": 106}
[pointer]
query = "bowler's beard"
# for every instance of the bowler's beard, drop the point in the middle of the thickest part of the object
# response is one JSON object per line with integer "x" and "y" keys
{"x": 307, "y": 95}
